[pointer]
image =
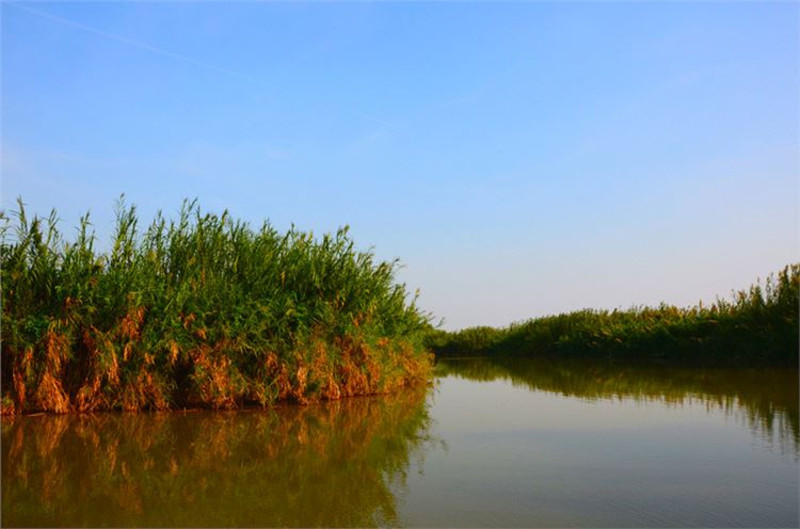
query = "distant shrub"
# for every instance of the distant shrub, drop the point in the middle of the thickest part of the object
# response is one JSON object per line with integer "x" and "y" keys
{"x": 758, "y": 326}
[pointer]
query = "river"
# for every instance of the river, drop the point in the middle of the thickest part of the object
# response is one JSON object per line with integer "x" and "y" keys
{"x": 491, "y": 443}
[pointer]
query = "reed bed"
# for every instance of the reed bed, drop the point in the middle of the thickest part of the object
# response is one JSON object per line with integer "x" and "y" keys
{"x": 199, "y": 311}
{"x": 755, "y": 327}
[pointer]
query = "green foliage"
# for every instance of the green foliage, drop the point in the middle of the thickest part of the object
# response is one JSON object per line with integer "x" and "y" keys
{"x": 758, "y": 326}
{"x": 201, "y": 310}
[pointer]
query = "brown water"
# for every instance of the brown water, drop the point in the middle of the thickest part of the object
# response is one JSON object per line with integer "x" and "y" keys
{"x": 494, "y": 443}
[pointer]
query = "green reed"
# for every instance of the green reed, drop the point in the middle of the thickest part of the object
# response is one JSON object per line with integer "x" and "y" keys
{"x": 202, "y": 310}
{"x": 758, "y": 326}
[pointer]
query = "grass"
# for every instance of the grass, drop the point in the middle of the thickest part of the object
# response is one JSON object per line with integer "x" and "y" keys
{"x": 206, "y": 311}
{"x": 757, "y": 327}
{"x": 198, "y": 311}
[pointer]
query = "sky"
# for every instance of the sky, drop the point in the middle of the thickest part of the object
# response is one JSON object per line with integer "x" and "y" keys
{"x": 520, "y": 159}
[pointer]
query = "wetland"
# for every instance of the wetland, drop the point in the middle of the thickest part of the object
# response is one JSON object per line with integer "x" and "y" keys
{"x": 492, "y": 442}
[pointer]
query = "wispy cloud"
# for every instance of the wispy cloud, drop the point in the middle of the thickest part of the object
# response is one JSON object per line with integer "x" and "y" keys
{"x": 169, "y": 54}
{"x": 130, "y": 42}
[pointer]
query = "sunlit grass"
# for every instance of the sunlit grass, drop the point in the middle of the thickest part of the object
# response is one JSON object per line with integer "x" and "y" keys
{"x": 758, "y": 326}
{"x": 199, "y": 311}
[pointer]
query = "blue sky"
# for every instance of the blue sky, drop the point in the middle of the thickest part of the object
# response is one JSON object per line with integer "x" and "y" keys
{"x": 520, "y": 159}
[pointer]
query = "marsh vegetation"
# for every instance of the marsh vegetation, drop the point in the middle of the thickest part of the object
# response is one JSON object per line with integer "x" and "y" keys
{"x": 199, "y": 311}
{"x": 755, "y": 327}
{"x": 205, "y": 311}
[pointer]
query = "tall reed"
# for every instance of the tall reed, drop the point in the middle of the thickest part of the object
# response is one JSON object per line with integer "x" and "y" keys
{"x": 755, "y": 327}
{"x": 198, "y": 311}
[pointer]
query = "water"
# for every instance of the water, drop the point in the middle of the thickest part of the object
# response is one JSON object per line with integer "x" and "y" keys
{"x": 512, "y": 443}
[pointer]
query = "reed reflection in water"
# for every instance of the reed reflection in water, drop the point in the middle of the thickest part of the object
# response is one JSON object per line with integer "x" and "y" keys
{"x": 767, "y": 399}
{"x": 507, "y": 442}
{"x": 332, "y": 464}
{"x": 560, "y": 443}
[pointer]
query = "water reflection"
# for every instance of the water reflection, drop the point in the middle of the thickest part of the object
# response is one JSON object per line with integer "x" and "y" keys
{"x": 767, "y": 399}
{"x": 329, "y": 465}
{"x": 583, "y": 444}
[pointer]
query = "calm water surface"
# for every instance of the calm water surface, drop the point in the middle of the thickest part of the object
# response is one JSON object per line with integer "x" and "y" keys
{"x": 512, "y": 443}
